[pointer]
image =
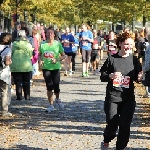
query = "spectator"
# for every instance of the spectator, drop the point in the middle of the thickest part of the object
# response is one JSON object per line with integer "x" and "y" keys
{"x": 21, "y": 66}
{"x": 5, "y": 77}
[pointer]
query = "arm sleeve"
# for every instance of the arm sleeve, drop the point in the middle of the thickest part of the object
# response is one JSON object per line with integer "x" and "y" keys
{"x": 105, "y": 70}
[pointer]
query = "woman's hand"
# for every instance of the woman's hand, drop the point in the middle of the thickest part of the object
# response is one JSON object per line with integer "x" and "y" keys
{"x": 41, "y": 63}
{"x": 54, "y": 61}
{"x": 140, "y": 76}
{"x": 115, "y": 75}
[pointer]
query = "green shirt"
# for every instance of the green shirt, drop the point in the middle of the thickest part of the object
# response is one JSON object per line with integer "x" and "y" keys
{"x": 21, "y": 56}
{"x": 48, "y": 52}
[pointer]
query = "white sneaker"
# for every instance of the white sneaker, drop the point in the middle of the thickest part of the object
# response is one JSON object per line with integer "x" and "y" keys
{"x": 94, "y": 72}
{"x": 97, "y": 71}
{"x": 8, "y": 114}
{"x": 70, "y": 73}
{"x": 59, "y": 103}
{"x": 50, "y": 108}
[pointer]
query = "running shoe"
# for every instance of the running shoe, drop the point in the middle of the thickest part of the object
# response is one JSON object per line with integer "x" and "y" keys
{"x": 103, "y": 147}
{"x": 50, "y": 108}
{"x": 59, "y": 103}
{"x": 87, "y": 74}
{"x": 83, "y": 74}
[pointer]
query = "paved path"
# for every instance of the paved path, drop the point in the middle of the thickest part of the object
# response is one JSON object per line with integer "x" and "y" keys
{"x": 78, "y": 127}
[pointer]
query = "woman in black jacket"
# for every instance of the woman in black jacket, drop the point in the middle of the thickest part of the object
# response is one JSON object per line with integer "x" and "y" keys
{"x": 120, "y": 71}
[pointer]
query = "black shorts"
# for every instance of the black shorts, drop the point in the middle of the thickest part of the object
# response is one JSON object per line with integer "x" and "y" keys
{"x": 52, "y": 79}
{"x": 94, "y": 55}
{"x": 68, "y": 54}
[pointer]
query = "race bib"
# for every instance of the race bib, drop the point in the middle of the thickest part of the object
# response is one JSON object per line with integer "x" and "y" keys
{"x": 84, "y": 43}
{"x": 123, "y": 81}
{"x": 48, "y": 55}
{"x": 95, "y": 46}
{"x": 66, "y": 44}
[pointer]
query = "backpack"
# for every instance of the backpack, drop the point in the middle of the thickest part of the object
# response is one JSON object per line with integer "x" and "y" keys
{"x": 2, "y": 64}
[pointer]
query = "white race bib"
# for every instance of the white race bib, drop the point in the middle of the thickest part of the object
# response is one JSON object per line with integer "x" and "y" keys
{"x": 49, "y": 55}
{"x": 95, "y": 46}
{"x": 66, "y": 44}
{"x": 123, "y": 81}
{"x": 84, "y": 43}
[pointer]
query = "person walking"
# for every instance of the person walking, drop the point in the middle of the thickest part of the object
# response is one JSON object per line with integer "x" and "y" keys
{"x": 5, "y": 75}
{"x": 21, "y": 66}
{"x": 120, "y": 71}
{"x": 51, "y": 53}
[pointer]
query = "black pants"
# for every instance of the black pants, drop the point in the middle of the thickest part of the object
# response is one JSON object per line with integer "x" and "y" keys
{"x": 73, "y": 61}
{"x": 118, "y": 114}
{"x": 22, "y": 80}
{"x": 52, "y": 79}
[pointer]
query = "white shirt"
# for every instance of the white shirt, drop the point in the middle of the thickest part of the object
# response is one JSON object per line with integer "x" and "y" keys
{"x": 5, "y": 74}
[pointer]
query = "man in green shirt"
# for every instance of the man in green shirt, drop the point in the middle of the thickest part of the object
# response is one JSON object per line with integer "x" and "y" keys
{"x": 51, "y": 53}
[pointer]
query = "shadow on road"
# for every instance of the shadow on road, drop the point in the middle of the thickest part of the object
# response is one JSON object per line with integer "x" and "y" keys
{"x": 31, "y": 115}
{"x": 23, "y": 147}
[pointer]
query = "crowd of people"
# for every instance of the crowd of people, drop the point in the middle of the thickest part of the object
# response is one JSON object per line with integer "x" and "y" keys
{"x": 27, "y": 50}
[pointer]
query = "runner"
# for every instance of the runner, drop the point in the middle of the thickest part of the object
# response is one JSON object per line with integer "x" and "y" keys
{"x": 120, "y": 70}
{"x": 78, "y": 37}
{"x": 95, "y": 54}
{"x": 86, "y": 38}
{"x": 67, "y": 40}
{"x": 102, "y": 45}
{"x": 111, "y": 44}
{"x": 74, "y": 50}
{"x": 51, "y": 53}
